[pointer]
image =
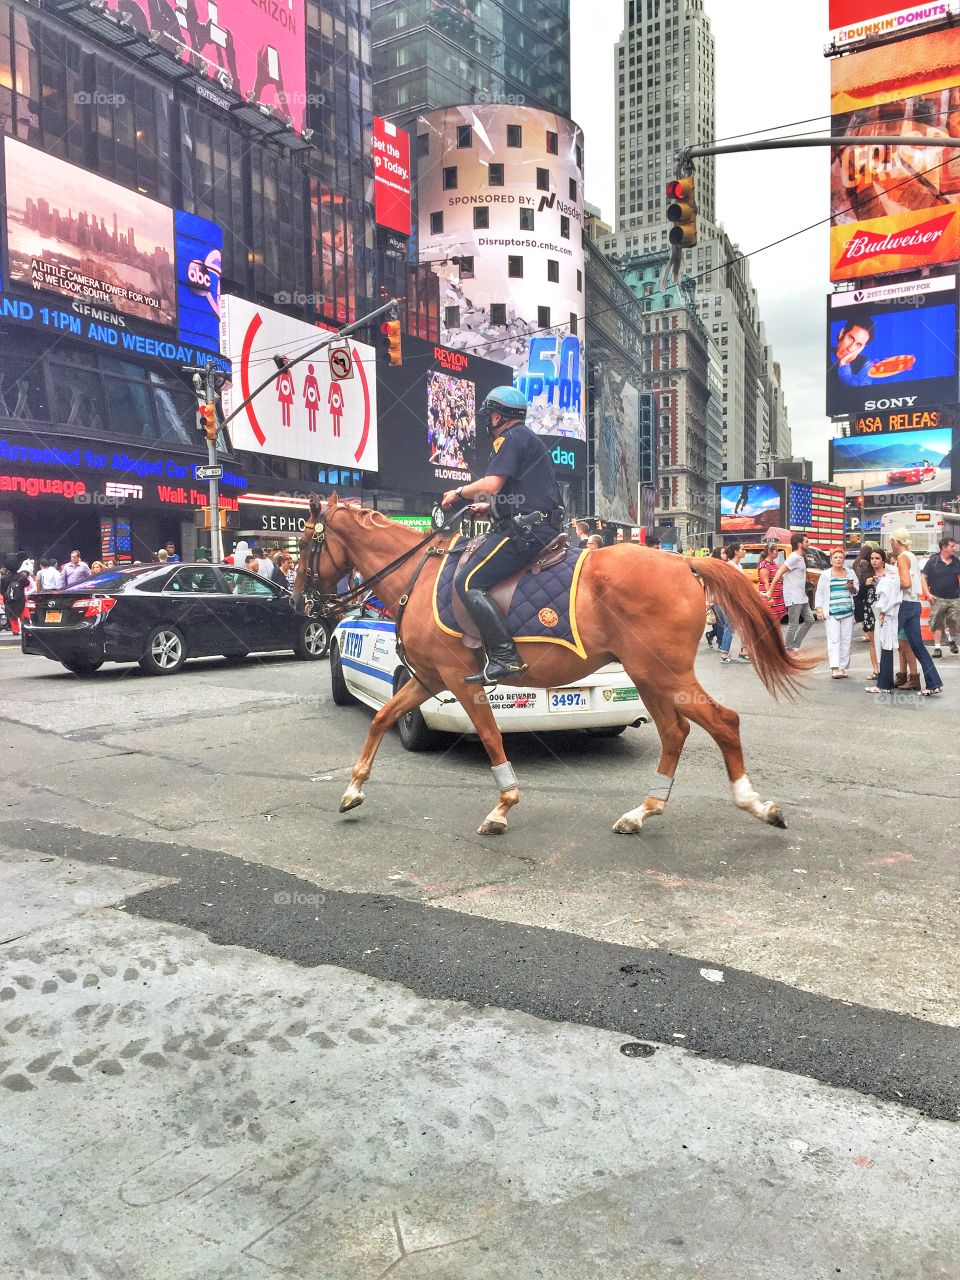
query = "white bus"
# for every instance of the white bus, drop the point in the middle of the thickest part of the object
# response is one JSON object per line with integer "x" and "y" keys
{"x": 926, "y": 528}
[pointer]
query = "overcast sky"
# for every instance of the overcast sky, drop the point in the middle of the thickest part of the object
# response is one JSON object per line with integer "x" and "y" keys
{"x": 761, "y": 83}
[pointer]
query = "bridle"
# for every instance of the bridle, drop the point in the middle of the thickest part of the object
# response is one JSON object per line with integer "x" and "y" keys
{"x": 315, "y": 535}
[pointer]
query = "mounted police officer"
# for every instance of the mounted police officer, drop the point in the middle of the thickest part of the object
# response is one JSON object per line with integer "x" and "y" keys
{"x": 519, "y": 490}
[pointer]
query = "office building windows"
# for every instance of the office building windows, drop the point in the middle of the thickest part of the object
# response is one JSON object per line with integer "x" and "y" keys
{"x": 515, "y": 266}
{"x": 436, "y": 224}
{"x": 498, "y": 313}
{"x": 481, "y": 219}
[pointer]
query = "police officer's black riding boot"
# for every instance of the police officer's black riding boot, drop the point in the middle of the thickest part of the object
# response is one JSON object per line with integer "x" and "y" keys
{"x": 503, "y": 661}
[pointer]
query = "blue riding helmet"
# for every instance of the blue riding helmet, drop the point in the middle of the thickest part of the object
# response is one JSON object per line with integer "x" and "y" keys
{"x": 506, "y": 400}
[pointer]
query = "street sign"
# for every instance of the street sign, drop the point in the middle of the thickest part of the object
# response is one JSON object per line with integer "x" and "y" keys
{"x": 341, "y": 363}
{"x": 209, "y": 473}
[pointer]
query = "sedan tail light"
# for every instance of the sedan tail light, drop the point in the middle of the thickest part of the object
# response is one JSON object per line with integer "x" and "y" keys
{"x": 95, "y": 606}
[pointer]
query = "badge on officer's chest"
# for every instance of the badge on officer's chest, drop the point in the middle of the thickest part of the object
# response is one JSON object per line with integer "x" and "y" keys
{"x": 497, "y": 443}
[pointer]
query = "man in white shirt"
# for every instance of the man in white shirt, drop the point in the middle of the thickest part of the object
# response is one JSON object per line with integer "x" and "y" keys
{"x": 49, "y": 578}
{"x": 793, "y": 571}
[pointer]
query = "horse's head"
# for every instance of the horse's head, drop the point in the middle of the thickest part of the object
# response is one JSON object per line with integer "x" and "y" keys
{"x": 324, "y": 556}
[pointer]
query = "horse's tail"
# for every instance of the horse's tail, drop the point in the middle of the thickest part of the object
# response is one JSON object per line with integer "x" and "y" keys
{"x": 759, "y": 629}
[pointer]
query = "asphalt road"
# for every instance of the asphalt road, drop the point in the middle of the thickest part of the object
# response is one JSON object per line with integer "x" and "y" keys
{"x": 243, "y": 1035}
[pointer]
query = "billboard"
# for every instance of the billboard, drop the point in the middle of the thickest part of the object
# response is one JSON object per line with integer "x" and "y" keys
{"x": 500, "y": 207}
{"x": 751, "y": 506}
{"x": 854, "y": 21}
{"x": 430, "y": 439}
{"x": 73, "y": 233}
{"x": 903, "y": 462}
{"x": 255, "y": 48}
{"x": 391, "y": 176}
{"x": 892, "y": 347}
{"x": 817, "y": 509}
{"x": 896, "y": 208}
{"x": 304, "y": 413}
{"x": 617, "y": 435}
{"x": 85, "y": 258}
{"x": 875, "y": 424}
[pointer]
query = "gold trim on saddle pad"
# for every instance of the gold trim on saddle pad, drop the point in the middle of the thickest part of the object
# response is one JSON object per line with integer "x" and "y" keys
{"x": 576, "y": 647}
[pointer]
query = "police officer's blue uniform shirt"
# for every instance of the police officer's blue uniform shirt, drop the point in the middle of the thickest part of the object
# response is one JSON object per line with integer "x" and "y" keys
{"x": 521, "y": 457}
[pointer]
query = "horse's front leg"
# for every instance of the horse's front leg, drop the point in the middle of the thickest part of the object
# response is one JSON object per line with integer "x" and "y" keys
{"x": 410, "y": 695}
{"x": 475, "y": 703}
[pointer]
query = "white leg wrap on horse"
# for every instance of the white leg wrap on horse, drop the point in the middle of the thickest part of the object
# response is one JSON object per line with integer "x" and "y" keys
{"x": 744, "y": 797}
{"x": 504, "y": 776}
{"x": 662, "y": 786}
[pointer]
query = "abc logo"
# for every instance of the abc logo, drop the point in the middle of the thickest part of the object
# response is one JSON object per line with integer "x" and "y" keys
{"x": 203, "y": 278}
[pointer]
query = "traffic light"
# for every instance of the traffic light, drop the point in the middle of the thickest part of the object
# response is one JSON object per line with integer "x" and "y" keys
{"x": 208, "y": 420}
{"x": 682, "y": 212}
{"x": 391, "y": 342}
{"x": 228, "y": 519}
{"x": 859, "y": 500}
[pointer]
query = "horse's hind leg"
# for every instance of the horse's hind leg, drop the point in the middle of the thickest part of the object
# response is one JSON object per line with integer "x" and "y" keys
{"x": 723, "y": 725}
{"x": 673, "y": 730}
{"x": 411, "y": 695}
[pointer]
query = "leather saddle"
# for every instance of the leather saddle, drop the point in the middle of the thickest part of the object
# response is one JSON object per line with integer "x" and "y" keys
{"x": 502, "y": 594}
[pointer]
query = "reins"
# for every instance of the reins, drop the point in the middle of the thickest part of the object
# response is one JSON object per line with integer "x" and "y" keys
{"x": 354, "y": 594}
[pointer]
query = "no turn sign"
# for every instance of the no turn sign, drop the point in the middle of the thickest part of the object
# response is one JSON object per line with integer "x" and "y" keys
{"x": 341, "y": 363}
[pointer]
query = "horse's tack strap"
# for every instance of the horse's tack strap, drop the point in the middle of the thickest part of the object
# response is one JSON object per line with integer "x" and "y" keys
{"x": 401, "y": 610}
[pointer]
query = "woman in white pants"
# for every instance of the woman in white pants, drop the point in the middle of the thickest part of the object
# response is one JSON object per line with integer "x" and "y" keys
{"x": 834, "y": 604}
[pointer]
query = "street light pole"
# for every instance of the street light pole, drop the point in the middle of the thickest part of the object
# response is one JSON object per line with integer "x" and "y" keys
{"x": 216, "y": 542}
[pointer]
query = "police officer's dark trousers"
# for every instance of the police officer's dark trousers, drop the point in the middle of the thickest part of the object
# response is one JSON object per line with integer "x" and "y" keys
{"x": 499, "y": 556}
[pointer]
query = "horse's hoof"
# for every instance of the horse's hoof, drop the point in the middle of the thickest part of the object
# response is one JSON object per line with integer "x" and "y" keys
{"x": 627, "y": 826}
{"x": 492, "y": 827}
{"x": 351, "y": 800}
{"x": 775, "y": 818}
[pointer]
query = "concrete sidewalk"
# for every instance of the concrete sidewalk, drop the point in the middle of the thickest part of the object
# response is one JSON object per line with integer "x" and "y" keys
{"x": 176, "y": 1109}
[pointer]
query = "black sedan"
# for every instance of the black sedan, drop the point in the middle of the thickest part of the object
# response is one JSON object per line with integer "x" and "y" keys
{"x": 160, "y": 615}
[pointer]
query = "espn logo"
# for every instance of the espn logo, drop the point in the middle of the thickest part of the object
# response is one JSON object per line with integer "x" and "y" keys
{"x": 117, "y": 489}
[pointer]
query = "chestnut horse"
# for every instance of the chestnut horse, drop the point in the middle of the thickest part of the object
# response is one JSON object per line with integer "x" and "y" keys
{"x": 638, "y": 606}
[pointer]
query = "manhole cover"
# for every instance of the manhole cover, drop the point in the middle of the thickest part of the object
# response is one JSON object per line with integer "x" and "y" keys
{"x": 637, "y": 1049}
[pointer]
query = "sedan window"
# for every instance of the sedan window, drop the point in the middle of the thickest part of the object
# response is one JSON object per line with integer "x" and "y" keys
{"x": 196, "y": 582}
{"x": 242, "y": 583}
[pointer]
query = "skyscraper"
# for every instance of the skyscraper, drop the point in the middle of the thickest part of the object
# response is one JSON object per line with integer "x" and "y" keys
{"x": 666, "y": 99}
{"x": 442, "y": 53}
{"x": 666, "y": 81}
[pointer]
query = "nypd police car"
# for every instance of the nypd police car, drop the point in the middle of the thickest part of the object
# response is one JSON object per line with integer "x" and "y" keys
{"x": 364, "y": 667}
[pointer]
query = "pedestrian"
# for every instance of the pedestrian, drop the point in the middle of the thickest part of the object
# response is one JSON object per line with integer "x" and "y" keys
{"x": 834, "y": 603}
{"x": 49, "y": 578}
{"x": 75, "y": 570}
{"x": 289, "y": 571}
{"x": 876, "y": 565}
{"x": 162, "y": 556}
{"x": 793, "y": 571}
{"x": 171, "y": 550}
{"x": 97, "y": 567}
{"x": 594, "y": 542}
{"x": 941, "y": 582}
{"x": 888, "y": 596}
{"x": 911, "y": 584}
{"x": 653, "y": 542}
{"x": 264, "y": 564}
{"x": 735, "y": 553}
{"x": 18, "y": 590}
{"x": 766, "y": 572}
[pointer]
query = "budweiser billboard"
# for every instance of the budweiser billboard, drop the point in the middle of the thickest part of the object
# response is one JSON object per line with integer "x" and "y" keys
{"x": 896, "y": 208}
{"x": 854, "y": 22}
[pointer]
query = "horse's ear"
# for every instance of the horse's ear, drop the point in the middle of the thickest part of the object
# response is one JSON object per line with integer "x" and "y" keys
{"x": 315, "y": 504}
{"x": 332, "y": 500}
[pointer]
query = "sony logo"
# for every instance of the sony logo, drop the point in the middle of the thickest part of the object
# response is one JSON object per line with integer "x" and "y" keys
{"x": 899, "y": 402}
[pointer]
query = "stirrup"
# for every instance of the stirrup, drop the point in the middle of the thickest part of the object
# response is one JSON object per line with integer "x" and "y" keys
{"x": 501, "y": 671}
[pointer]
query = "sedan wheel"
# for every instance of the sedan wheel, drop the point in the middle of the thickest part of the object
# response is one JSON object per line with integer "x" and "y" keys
{"x": 166, "y": 652}
{"x": 313, "y": 641}
{"x": 83, "y": 666}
